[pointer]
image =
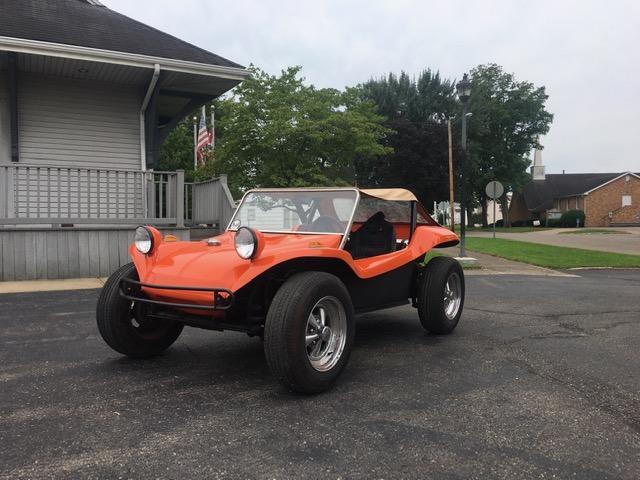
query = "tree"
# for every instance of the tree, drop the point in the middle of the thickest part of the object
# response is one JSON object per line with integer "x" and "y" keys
{"x": 417, "y": 111}
{"x": 276, "y": 131}
{"x": 176, "y": 152}
{"x": 508, "y": 119}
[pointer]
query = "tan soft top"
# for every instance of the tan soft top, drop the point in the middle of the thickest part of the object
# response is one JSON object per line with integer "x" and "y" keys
{"x": 394, "y": 194}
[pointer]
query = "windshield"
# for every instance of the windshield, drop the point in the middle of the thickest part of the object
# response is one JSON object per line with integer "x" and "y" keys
{"x": 303, "y": 211}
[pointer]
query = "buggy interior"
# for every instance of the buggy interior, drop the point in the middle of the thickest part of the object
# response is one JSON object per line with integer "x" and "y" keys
{"x": 380, "y": 226}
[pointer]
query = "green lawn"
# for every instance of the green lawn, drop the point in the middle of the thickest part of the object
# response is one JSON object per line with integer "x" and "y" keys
{"x": 550, "y": 256}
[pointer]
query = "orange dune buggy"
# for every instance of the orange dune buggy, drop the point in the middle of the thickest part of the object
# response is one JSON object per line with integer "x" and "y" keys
{"x": 294, "y": 266}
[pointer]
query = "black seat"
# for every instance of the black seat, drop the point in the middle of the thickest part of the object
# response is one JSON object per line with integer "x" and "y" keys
{"x": 376, "y": 236}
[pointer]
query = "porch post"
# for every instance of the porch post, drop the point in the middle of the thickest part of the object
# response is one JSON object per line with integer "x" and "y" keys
{"x": 179, "y": 198}
{"x": 13, "y": 106}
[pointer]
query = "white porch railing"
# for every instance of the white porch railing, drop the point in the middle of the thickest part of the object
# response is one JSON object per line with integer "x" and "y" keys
{"x": 31, "y": 195}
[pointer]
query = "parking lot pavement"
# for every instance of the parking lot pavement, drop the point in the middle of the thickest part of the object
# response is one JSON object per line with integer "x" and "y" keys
{"x": 540, "y": 380}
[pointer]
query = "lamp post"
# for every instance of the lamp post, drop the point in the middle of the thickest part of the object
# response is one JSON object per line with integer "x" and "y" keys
{"x": 463, "y": 88}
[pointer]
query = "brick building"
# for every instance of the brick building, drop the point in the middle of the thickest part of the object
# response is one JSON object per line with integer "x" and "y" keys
{"x": 607, "y": 199}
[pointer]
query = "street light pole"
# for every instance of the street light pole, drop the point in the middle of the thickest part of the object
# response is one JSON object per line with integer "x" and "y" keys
{"x": 463, "y": 88}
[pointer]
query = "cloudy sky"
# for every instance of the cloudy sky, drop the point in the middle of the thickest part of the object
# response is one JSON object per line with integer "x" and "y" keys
{"x": 585, "y": 52}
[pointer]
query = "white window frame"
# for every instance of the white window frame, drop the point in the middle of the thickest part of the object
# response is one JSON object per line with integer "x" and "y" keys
{"x": 624, "y": 202}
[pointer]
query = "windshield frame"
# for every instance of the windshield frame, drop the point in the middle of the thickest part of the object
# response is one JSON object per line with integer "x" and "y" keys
{"x": 293, "y": 190}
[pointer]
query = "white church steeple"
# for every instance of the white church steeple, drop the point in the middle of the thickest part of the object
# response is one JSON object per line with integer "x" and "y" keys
{"x": 537, "y": 169}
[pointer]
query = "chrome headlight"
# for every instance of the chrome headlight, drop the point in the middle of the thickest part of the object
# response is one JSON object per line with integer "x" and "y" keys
{"x": 246, "y": 243}
{"x": 143, "y": 240}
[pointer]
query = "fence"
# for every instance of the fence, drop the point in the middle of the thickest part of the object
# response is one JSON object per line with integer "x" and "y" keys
{"x": 35, "y": 195}
{"x": 209, "y": 202}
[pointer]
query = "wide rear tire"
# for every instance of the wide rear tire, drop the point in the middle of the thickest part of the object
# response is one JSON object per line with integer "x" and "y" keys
{"x": 124, "y": 326}
{"x": 309, "y": 332}
{"x": 441, "y": 295}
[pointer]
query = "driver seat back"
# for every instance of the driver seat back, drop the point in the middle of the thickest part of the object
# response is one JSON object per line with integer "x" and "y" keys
{"x": 376, "y": 236}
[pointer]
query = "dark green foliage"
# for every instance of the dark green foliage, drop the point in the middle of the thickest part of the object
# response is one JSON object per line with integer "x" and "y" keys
{"x": 417, "y": 111}
{"x": 521, "y": 223}
{"x": 275, "y": 131}
{"x": 508, "y": 119}
{"x": 553, "y": 222}
{"x": 570, "y": 218}
{"x": 176, "y": 152}
{"x": 475, "y": 218}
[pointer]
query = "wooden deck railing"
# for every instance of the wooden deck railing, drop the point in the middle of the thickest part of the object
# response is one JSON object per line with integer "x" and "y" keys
{"x": 33, "y": 195}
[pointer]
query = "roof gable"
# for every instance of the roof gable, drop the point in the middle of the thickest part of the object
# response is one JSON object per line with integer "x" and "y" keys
{"x": 87, "y": 23}
{"x": 539, "y": 194}
{"x": 612, "y": 180}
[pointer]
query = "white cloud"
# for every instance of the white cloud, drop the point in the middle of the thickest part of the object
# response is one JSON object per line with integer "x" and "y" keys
{"x": 584, "y": 52}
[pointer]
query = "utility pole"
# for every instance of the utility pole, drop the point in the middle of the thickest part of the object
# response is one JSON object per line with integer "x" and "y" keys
{"x": 452, "y": 205}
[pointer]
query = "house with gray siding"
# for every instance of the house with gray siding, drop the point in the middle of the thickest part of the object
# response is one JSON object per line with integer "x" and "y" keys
{"x": 87, "y": 96}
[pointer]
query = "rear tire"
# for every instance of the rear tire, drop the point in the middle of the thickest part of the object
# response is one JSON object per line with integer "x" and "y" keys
{"x": 441, "y": 295}
{"x": 124, "y": 326}
{"x": 309, "y": 332}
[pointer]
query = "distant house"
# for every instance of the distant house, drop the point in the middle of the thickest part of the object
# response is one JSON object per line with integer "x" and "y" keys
{"x": 607, "y": 199}
{"x": 87, "y": 96}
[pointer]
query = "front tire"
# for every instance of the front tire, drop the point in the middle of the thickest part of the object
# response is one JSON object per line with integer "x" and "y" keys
{"x": 441, "y": 295}
{"x": 309, "y": 332}
{"x": 124, "y": 326}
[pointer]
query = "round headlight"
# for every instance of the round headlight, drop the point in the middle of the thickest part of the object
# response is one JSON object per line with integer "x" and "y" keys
{"x": 246, "y": 243}
{"x": 143, "y": 240}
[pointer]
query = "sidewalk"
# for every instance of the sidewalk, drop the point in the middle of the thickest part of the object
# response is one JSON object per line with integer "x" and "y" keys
{"x": 490, "y": 265}
{"x": 51, "y": 285}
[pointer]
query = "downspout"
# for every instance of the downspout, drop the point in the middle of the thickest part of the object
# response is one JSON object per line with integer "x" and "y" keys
{"x": 143, "y": 110}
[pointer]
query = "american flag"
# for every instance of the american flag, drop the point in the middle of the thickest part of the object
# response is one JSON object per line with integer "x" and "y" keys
{"x": 204, "y": 140}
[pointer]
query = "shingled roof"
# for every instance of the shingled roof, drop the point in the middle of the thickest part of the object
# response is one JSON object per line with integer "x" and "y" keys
{"x": 88, "y": 23}
{"x": 539, "y": 194}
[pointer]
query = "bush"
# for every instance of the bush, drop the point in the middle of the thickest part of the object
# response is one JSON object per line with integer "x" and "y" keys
{"x": 553, "y": 222}
{"x": 569, "y": 218}
{"x": 475, "y": 218}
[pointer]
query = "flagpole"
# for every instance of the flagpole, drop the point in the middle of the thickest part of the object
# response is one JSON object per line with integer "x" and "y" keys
{"x": 213, "y": 129}
{"x": 195, "y": 142}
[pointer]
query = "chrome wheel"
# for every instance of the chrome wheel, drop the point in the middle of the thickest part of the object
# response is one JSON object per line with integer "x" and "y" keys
{"x": 326, "y": 333}
{"x": 452, "y": 296}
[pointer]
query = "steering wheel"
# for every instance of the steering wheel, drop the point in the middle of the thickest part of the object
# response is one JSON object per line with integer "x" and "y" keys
{"x": 326, "y": 223}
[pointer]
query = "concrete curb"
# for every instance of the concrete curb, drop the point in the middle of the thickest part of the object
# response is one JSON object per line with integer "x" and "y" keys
{"x": 51, "y": 285}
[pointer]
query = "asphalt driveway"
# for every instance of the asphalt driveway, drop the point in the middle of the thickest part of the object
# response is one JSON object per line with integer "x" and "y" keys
{"x": 540, "y": 380}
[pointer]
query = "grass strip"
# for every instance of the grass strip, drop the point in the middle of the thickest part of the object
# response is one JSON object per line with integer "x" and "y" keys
{"x": 550, "y": 256}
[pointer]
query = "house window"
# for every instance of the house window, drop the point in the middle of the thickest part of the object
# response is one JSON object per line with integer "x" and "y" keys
{"x": 626, "y": 200}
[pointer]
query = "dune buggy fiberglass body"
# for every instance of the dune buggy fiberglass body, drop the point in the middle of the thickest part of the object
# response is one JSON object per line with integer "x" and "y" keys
{"x": 294, "y": 267}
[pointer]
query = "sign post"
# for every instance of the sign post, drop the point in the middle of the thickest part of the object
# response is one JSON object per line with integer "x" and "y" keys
{"x": 494, "y": 190}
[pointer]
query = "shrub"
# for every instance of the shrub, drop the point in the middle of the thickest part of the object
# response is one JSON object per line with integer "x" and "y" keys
{"x": 554, "y": 222}
{"x": 569, "y": 218}
{"x": 522, "y": 223}
{"x": 475, "y": 218}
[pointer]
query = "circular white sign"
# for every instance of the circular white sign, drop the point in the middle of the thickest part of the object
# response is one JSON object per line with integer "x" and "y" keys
{"x": 494, "y": 189}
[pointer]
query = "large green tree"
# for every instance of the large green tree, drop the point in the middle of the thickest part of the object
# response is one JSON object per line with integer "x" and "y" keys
{"x": 508, "y": 117}
{"x": 417, "y": 111}
{"x": 277, "y": 131}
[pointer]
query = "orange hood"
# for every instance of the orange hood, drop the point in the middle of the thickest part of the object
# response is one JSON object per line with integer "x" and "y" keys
{"x": 198, "y": 264}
